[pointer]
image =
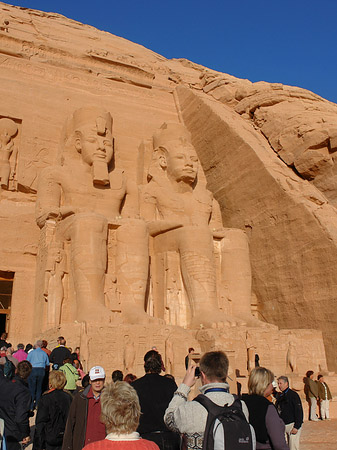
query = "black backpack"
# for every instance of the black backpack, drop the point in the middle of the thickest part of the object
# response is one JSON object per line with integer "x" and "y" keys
{"x": 234, "y": 434}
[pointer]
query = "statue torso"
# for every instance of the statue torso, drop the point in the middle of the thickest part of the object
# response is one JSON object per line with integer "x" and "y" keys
{"x": 190, "y": 208}
{"x": 79, "y": 192}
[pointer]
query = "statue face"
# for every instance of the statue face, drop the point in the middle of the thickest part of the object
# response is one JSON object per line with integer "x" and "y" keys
{"x": 4, "y": 137}
{"x": 182, "y": 163}
{"x": 93, "y": 146}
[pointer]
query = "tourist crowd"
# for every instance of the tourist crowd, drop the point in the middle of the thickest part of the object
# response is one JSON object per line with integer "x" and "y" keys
{"x": 75, "y": 410}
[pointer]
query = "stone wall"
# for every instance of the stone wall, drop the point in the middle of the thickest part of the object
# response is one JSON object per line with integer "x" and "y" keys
{"x": 50, "y": 66}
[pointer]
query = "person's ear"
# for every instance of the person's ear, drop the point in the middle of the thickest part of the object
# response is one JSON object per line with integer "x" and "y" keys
{"x": 78, "y": 144}
{"x": 162, "y": 158}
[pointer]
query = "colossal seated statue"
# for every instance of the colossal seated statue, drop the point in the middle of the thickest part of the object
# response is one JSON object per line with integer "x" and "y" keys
{"x": 174, "y": 196}
{"x": 82, "y": 200}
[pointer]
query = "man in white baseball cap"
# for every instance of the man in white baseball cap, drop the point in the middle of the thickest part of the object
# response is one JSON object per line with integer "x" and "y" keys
{"x": 84, "y": 425}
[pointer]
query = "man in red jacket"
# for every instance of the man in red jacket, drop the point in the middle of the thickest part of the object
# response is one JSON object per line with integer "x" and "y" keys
{"x": 84, "y": 420}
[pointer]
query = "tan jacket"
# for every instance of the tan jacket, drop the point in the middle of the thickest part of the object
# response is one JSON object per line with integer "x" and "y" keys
{"x": 310, "y": 388}
{"x": 321, "y": 391}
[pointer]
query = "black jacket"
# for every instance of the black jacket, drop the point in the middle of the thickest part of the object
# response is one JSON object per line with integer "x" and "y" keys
{"x": 74, "y": 435}
{"x": 15, "y": 403}
{"x": 51, "y": 419}
{"x": 289, "y": 407}
{"x": 59, "y": 354}
{"x": 257, "y": 407}
{"x": 155, "y": 393}
{"x": 3, "y": 343}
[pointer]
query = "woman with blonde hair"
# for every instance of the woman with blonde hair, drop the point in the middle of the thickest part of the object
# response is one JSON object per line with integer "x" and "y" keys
{"x": 52, "y": 414}
{"x": 269, "y": 427}
{"x": 120, "y": 412}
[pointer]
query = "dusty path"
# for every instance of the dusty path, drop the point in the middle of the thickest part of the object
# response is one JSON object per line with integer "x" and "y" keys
{"x": 321, "y": 435}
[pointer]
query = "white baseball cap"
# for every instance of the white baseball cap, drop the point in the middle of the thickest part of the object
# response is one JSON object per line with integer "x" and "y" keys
{"x": 97, "y": 373}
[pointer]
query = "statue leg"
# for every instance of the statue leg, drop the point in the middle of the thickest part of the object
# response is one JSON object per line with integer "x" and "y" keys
{"x": 236, "y": 272}
{"x": 132, "y": 264}
{"x": 237, "y": 276}
{"x": 88, "y": 236}
{"x": 198, "y": 272}
{"x": 5, "y": 170}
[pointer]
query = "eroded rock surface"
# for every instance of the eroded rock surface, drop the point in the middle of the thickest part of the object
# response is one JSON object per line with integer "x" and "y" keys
{"x": 266, "y": 152}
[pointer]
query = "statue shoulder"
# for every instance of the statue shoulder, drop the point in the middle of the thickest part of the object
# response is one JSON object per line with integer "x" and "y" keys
{"x": 150, "y": 191}
{"x": 55, "y": 173}
{"x": 118, "y": 179}
{"x": 203, "y": 195}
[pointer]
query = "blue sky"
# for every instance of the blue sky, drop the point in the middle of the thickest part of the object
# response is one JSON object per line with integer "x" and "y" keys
{"x": 290, "y": 42}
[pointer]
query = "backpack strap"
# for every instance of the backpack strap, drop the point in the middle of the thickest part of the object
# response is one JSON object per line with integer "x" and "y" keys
{"x": 215, "y": 409}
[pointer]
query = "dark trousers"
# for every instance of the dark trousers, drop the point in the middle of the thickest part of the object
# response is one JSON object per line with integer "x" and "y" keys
{"x": 166, "y": 440}
{"x": 35, "y": 381}
{"x": 12, "y": 444}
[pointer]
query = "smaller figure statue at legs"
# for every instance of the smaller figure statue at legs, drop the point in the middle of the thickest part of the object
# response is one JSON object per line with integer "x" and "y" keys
{"x": 53, "y": 289}
{"x": 8, "y": 130}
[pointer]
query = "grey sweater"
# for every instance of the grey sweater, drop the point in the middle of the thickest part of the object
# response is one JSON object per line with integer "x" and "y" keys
{"x": 189, "y": 418}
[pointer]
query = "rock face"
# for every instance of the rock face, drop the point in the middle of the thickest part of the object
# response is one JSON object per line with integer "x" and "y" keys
{"x": 101, "y": 225}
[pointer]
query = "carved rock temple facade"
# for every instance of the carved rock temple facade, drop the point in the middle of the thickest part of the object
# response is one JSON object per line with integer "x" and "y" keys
{"x": 152, "y": 202}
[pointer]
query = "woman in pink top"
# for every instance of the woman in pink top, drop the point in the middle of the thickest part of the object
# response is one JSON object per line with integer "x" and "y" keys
{"x": 120, "y": 412}
{"x": 20, "y": 354}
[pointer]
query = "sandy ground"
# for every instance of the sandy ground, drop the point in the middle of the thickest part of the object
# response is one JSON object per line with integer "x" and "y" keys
{"x": 321, "y": 435}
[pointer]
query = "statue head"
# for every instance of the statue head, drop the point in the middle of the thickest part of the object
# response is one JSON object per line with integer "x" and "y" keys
{"x": 8, "y": 129}
{"x": 92, "y": 130}
{"x": 175, "y": 153}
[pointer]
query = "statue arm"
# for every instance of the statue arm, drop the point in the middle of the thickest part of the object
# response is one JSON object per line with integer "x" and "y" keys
{"x": 48, "y": 198}
{"x": 148, "y": 208}
{"x": 147, "y": 205}
{"x": 215, "y": 222}
{"x": 131, "y": 204}
{"x": 12, "y": 161}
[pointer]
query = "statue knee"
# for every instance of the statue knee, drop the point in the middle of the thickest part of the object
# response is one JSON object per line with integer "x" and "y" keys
{"x": 132, "y": 231}
{"x": 89, "y": 223}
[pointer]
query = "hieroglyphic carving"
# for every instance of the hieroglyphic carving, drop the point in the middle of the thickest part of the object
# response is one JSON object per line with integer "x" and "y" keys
{"x": 31, "y": 167}
{"x": 129, "y": 355}
{"x": 169, "y": 355}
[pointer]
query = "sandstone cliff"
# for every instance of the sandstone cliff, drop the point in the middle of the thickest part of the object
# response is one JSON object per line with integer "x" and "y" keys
{"x": 268, "y": 153}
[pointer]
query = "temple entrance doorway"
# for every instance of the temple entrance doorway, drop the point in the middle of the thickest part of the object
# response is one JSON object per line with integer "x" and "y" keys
{"x": 6, "y": 287}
